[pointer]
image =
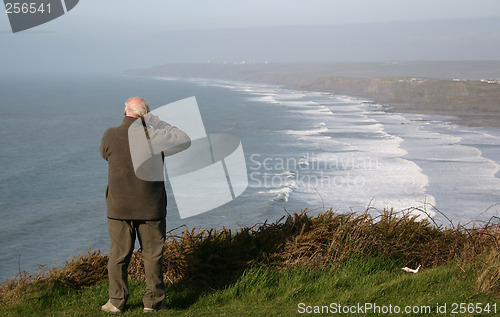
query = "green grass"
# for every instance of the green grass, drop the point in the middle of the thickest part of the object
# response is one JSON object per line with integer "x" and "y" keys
{"x": 262, "y": 291}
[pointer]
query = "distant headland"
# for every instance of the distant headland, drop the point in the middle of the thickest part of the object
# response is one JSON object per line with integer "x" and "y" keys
{"x": 469, "y": 90}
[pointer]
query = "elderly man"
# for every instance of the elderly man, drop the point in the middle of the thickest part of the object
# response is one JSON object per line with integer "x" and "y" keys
{"x": 137, "y": 206}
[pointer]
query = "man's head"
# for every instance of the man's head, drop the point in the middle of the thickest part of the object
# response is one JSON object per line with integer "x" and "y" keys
{"x": 136, "y": 107}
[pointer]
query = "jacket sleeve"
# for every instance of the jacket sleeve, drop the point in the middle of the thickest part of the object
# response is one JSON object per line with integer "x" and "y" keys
{"x": 168, "y": 139}
{"x": 104, "y": 148}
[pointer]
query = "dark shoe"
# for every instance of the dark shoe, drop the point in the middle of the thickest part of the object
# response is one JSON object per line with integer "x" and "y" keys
{"x": 110, "y": 308}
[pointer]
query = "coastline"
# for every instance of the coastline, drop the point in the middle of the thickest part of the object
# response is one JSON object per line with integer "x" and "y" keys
{"x": 473, "y": 103}
{"x": 473, "y": 100}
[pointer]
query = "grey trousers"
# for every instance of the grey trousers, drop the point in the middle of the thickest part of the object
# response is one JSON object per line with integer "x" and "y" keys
{"x": 151, "y": 235}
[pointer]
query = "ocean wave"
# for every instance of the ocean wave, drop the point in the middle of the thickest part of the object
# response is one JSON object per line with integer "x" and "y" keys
{"x": 280, "y": 194}
{"x": 313, "y": 112}
{"x": 316, "y": 131}
{"x": 302, "y": 103}
{"x": 347, "y": 99}
{"x": 286, "y": 174}
{"x": 265, "y": 99}
{"x": 289, "y": 96}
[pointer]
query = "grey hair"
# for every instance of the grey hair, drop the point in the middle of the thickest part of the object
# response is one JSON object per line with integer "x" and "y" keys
{"x": 136, "y": 106}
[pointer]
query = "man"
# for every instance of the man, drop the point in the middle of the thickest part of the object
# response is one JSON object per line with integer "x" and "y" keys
{"x": 137, "y": 205}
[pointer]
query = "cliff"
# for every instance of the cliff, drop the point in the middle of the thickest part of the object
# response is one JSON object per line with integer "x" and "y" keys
{"x": 474, "y": 101}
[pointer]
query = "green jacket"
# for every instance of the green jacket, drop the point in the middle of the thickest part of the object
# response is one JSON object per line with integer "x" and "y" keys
{"x": 127, "y": 196}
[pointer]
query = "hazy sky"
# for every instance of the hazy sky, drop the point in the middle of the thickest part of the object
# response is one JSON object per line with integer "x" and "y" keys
{"x": 122, "y": 34}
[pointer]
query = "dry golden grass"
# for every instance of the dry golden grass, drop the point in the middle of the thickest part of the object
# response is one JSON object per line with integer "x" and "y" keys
{"x": 488, "y": 280}
{"x": 80, "y": 271}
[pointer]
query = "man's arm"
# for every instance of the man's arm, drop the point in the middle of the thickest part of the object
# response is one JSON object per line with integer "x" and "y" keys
{"x": 104, "y": 148}
{"x": 166, "y": 138}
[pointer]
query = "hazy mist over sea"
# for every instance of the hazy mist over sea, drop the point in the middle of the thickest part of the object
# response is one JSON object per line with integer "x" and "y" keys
{"x": 111, "y": 50}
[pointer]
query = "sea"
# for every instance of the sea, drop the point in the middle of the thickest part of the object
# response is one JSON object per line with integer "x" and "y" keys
{"x": 303, "y": 150}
